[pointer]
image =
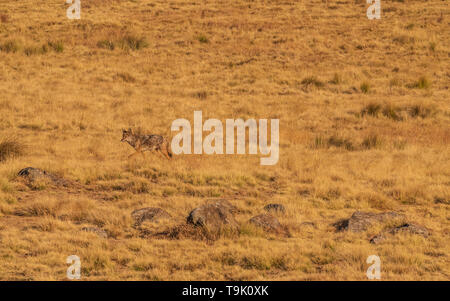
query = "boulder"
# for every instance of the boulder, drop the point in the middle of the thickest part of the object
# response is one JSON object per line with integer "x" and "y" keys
{"x": 405, "y": 228}
{"x": 34, "y": 176}
{"x": 225, "y": 204}
{"x": 361, "y": 221}
{"x": 410, "y": 228}
{"x": 268, "y": 223}
{"x": 214, "y": 216}
{"x": 149, "y": 214}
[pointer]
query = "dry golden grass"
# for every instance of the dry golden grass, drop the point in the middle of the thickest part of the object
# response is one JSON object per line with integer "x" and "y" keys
{"x": 364, "y": 125}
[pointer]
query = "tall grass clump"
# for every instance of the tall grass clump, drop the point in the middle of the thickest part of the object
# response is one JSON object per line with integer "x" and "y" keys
{"x": 133, "y": 42}
{"x": 422, "y": 83}
{"x": 372, "y": 141}
{"x": 312, "y": 81}
{"x": 422, "y": 110}
{"x": 365, "y": 87}
{"x": 392, "y": 112}
{"x": 32, "y": 50}
{"x": 10, "y": 147}
{"x": 11, "y": 46}
{"x": 202, "y": 39}
{"x": 106, "y": 44}
{"x": 336, "y": 80}
{"x": 372, "y": 109}
{"x": 333, "y": 141}
{"x": 57, "y": 46}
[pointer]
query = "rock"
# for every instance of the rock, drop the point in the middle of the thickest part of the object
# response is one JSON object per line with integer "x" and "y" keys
{"x": 378, "y": 238}
{"x": 213, "y": 216}
{"x": 34, "y": 176}
{"x": 361, "y": 221}
{"x": 410, "y": 228}
{"x": 407, "y": 227}
{"x": 225, "y": 204}
{"x": 149, "y": 214}
{"x": 269, "y": 223}
{"x": 439, "y": 200}
{"x": 100, "y": 232}
{"x": 187, "y": 231}
{"x": 275, "y": 208}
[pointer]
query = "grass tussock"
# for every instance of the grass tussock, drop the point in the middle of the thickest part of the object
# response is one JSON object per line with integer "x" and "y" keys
{"x": 11, "y": 147}
{"x": 333, "y": 141}
{"x": 127, "y": 42}
{"x": 125, "y": 77}
{"x": 399, "y": 112}
{"x": 15, "y": 46}
{"x": 106, "y": 44}
{"x": 43, "y": 207}
{"x": 202, "y": 39}
{"x": 422, "y": 83}
{"x": 312, "y": 81}
{"x": 365, "y": 87}
{"x": 33, "y": 50}
{"x": 11, "y": 46}
{"x": 57, "y": 46}
{"x": 371, "y": 141}
{"x": 337, "y": 79}
{"x": 131, "y": 42}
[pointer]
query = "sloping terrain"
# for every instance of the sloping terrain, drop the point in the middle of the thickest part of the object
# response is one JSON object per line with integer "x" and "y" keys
{"x": 364, "y": 127}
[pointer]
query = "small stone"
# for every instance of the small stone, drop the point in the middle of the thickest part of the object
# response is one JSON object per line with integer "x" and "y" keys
{"x": 439, "y": 200}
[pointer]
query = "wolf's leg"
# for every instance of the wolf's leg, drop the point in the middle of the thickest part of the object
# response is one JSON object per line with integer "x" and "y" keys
{"x": 159, "y": 151}
{"x": 134, "y": 155}
{"x": 166, "y": 153}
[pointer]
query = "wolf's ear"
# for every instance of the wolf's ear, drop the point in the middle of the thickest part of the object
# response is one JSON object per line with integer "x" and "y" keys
{"x": 129, "y": 130}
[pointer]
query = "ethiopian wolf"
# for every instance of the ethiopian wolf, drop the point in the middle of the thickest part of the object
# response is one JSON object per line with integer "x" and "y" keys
{"x": 142, "y": 143}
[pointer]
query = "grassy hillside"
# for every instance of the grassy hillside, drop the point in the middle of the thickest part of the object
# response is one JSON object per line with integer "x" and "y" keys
{"x": 364, "y": 125}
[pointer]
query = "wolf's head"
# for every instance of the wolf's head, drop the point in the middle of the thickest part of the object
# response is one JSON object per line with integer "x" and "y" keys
{"x": 127, "y": 135}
